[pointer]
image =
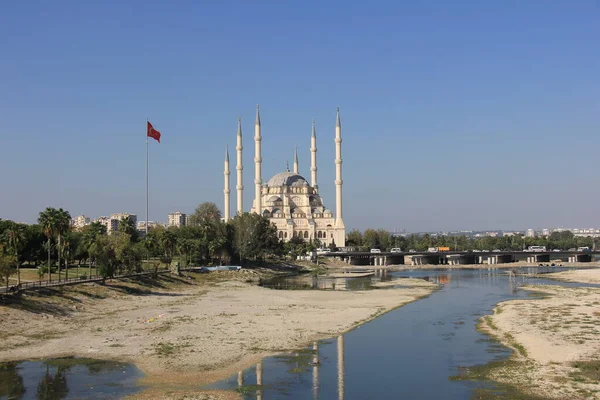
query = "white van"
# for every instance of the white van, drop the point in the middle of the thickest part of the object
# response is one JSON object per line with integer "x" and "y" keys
{"x": 396, "y": 250}
{"x": 375, "y": 251}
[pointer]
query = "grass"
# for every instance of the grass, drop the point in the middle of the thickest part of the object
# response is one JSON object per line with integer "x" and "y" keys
{"x": 167, "y": 348}
{"x": 586, "y": 371}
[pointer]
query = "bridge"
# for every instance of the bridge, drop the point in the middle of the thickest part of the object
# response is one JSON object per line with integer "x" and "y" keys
{"x": 461, "y": 257}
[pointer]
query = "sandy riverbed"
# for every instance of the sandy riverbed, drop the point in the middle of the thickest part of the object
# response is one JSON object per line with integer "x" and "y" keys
{"x": 556, "y": 339}
{"x": 184, "y": 334}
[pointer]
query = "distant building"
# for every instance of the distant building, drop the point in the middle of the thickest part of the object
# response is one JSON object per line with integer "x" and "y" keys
{"x": 177, "y": 219}
{"x": 80, "y": 221}
{"x": 107, "y": 222}
{"x": 546, "y": 232}
{"x": 141, "y": 227}
{"x": 112, "y": 223}
{"x": 508, "y": 234}
{"x": 530, "y": 233}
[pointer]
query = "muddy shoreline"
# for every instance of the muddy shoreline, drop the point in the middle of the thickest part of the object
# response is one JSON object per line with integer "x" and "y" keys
{"x": 554, "y": 337}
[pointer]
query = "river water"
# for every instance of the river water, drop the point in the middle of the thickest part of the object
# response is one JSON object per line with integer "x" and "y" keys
{"x": 408, "y": 353}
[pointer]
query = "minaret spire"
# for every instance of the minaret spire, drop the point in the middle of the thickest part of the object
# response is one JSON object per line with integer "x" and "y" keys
{"x": 340, "y": 238}
{"x": 257, "y": 164}
{"x": 296, "y": 160}
{"x": 239, "y": 167}
{"x": 313, "y": 157}
{"x": 226, "y": 189}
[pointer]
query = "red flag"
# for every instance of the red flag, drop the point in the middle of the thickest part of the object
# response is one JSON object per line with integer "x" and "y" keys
{"x": 153, "y": 133}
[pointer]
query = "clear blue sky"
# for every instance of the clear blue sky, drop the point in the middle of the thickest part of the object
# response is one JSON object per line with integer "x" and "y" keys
{"x": 455, "y": 114}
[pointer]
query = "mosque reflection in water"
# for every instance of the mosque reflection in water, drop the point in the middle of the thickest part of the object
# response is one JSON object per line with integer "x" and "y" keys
{"x": 311, "y": 359}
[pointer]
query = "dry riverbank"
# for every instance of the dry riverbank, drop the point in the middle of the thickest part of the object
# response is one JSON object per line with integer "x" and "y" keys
{"x": 556, "y": 340}
{"x": 182, "y": 333}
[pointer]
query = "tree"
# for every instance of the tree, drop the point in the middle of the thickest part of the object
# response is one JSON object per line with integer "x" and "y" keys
{"x": 63, "y": 225}
{"x": 354, "y": 238}
{"x": 6, "y": 262}
{"x": 66, "y": 249}
{"x": 49, "y": 220}
{"x": 385, "y": 239}
{"x": 33, "y": 247}
{"x": 253, "y": 236}
{"x": 371, "y": 239}
{"x": 126, "y": 225}
{"x": 205, "y": 213}
{"x": 168, "y": 241}
{"x": 15, "y": 238}
{"x": 91, "y": 234}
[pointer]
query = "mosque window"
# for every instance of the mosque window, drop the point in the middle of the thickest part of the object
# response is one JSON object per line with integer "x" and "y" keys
{"x": 285, "y": 235}
{"x": 305, "y": 234}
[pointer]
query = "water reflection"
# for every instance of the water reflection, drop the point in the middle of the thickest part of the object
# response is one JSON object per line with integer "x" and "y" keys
{"x": 11, "y": 383}
{"x": 67, "y": 378}
{"x": 315, "y": 370}
{"x": 53, "y": 385}
{"x": 340, "y": 354}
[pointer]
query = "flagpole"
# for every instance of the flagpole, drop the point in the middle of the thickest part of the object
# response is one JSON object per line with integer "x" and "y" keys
{"x": 147, "y": 202}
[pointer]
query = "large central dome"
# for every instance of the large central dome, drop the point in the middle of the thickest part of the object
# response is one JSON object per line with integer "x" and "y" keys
{"x": 287, "y": 179}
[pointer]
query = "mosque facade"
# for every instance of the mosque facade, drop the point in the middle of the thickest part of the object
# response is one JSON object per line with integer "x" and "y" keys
{"x": 289, "y": 201}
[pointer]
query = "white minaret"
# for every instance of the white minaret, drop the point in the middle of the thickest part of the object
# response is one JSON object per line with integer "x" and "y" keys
{"x": 338, "y": 173}
{"x": 226, "y": 190}
{"x": 296, "y": 160}
{"x": 257, "y": 164}
{"x": 239, "y": 167}
{"x": 313, "y": 157}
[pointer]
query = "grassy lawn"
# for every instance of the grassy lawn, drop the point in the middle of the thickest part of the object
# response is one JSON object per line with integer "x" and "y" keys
{"x": 31, "y": 274}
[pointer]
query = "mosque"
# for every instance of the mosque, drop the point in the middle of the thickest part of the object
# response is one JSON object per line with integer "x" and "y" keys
{"x": 290, "y": 203}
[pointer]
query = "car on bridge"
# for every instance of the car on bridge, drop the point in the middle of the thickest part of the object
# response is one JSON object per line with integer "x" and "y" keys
{"x": 375, "y": 251}
{"x": 396, "y": 250}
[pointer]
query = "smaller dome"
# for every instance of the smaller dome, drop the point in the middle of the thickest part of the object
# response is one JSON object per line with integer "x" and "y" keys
{"x": 287, "y": 179}
{"x": 327, "y": 211}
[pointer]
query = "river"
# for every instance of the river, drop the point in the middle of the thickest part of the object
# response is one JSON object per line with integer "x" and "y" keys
{"x": 410, "y": 352}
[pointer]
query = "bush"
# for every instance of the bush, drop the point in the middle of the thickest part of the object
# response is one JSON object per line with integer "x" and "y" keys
{"x": 43, "y": 269}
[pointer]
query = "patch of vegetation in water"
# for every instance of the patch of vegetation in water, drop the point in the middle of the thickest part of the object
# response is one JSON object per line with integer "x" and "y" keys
{"x": 499, "y": 391}
{"x": 249, "y": 389}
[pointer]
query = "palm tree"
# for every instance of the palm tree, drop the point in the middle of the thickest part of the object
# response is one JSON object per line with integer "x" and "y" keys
{"x": 15, "y": 236}
{"x": 62, "y": 226}
{"x": 90, "y": 237}
{"x": 48, "y": 220}
{"x": 168, "y": 242}
{"x": 127, "y": 226}
{"x": 66, "y": 250}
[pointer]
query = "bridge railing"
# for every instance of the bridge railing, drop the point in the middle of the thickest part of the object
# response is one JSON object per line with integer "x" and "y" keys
{"x": 36, "y": 285}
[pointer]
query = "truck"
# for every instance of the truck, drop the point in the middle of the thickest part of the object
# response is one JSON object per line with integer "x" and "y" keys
{"x": 438, "y": 249}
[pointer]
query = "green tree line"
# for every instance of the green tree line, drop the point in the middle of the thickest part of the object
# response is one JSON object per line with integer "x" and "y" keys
{"x": 382, "y": 239}
{"x": 52, "y": 246}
